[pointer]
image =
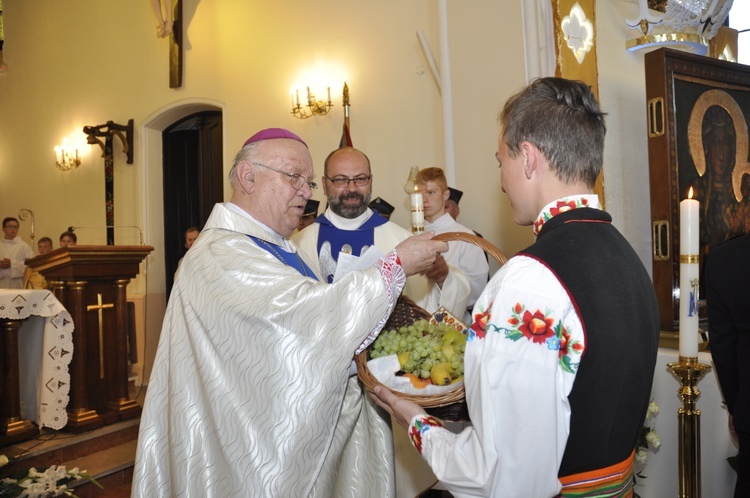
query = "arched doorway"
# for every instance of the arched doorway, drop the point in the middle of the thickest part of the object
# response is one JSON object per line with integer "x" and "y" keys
{"x": 150, "y": 135}
{"x": 193, "y": 180}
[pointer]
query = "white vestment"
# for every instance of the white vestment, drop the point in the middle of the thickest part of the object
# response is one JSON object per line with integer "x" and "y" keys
{"x": 248, "y": 396}
{"x": 413, "y": 475}
{"x": 18, "y": 252}
{"x": 454, "y": 294}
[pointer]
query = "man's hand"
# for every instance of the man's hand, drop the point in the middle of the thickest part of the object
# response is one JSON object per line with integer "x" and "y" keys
{"x": 438, "y": 271}
{"x": 4, "y": 263}
{"x": 419, "y": 252}
{"x": 401, "y": 409}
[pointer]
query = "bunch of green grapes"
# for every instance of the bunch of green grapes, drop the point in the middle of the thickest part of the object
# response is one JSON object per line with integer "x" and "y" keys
{"x": 421, "y": 346}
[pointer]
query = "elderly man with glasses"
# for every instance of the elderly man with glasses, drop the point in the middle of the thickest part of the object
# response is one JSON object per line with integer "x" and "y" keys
{"x": 250, "y": 387}
{"x": 13, "y": 255}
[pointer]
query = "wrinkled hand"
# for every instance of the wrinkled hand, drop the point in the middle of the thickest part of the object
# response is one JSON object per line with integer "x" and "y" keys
{"x": 401, "y": 409}
{"x": 438, "y": 271}
{"x": 419, "y": 252}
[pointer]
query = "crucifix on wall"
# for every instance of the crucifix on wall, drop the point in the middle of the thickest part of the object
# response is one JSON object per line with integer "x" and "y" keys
{"x": 109, "y": 130}
{"x": 169, "y": 17}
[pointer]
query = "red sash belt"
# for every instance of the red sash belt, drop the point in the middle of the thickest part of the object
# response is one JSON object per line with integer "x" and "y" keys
{"x": 615, "y": 481}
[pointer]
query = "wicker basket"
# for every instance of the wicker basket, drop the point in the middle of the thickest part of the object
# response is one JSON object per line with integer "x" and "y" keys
{"x": 450, "y": 405}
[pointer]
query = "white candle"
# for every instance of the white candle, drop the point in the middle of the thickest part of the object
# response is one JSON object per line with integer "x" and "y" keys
{"x": 417, "y": 213}
{"x": 689, "y": 268}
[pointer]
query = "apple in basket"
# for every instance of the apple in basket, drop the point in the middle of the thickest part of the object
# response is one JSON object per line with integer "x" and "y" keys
{"x": 428, "y": 352}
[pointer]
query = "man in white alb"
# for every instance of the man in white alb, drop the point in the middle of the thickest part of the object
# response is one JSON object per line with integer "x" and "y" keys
{"x": 13, "y": 255}
{"x": 466, "y": 256}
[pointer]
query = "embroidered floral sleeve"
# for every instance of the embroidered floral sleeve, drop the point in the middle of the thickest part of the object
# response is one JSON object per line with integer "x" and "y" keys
{"x": 420, "y": 424}
{"x": 394, "y": 278}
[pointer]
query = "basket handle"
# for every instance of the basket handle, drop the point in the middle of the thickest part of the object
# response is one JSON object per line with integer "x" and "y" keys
{"x": 477, "y": 241}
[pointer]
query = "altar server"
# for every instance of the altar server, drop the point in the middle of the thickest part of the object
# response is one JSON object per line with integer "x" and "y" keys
{"x": 561, "y": 354}
{"x": 13, "y": 255}
{"x": 470, "y": 258}
{"x": 250, "y": 385}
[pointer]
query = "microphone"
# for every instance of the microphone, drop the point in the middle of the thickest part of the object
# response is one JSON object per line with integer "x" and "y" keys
{"x": 140, "y": 232}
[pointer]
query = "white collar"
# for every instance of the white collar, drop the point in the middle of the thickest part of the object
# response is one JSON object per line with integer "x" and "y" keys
{"x": 276, "y": 238}
{"x": 346, "y": 223}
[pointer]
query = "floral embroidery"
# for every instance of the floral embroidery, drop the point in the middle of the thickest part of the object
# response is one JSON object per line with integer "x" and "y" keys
{"x": 419, "y": 427}
{"x": 561, "y": 206}
{"x": 479, "y": 326}
{"x": 540, "y": 328}
{"x": 536, "y": 327}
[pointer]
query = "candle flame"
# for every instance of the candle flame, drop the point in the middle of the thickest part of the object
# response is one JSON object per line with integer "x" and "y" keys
{"x": 690, "y": 193}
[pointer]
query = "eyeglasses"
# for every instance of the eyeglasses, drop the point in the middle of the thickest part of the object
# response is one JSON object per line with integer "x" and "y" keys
{"x": 295, "y": 179}
{"x": 15, "y": 227}
{"x": 343, "y": 181}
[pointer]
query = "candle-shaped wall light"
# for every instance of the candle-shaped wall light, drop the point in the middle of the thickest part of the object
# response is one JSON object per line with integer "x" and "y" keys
{"x": 689, "y": 279}
{"x": 414, "y": 186}
{"x": 314, "y": 106}
{"x": 66, "y": 157}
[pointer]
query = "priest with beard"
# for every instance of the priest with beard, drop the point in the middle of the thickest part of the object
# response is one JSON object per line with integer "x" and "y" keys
{"x": 349, "y": 226}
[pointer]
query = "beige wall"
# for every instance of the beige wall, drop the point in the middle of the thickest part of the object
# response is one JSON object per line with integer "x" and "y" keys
{"x": 83, "y": 63}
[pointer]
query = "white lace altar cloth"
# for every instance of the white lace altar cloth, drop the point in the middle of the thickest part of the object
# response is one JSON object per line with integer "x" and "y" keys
{"x": 45, "y": 349}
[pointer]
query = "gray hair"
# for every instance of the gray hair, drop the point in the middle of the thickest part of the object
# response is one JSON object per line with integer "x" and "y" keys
{"x": 248, "y": 154}
{"x": 563, "y": 120}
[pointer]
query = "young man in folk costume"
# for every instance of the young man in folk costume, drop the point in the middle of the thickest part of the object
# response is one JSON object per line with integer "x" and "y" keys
{"x": 561, "y": 354}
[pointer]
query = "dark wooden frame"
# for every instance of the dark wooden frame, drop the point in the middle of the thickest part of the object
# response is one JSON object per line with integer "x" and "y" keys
{"x": 675, "y": 82}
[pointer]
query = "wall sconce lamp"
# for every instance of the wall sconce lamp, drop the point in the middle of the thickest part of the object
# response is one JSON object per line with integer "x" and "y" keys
{"x": 316, "y": 107}
{"x": 65, "y": 157}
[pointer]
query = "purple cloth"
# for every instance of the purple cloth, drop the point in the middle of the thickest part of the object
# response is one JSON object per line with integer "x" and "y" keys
{"x": 271, "y": 133}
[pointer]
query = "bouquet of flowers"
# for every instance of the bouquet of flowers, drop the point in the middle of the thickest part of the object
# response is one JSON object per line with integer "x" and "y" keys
{"x": 648, "y": 439}
{"x": 50, "y": 482}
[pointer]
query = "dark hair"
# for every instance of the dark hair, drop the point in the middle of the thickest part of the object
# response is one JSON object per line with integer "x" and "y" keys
{"x": 563, "y": 120}
{"x": 71, "y": 235}
{"x": 44, "y": 239}
{"x": 9, "y": 219}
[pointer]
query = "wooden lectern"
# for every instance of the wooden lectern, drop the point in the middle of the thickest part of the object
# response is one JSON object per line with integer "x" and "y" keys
{"x": 91, "y": 281}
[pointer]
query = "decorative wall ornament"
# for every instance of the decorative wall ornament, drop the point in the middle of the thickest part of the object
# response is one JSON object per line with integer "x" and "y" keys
{"x": 682, "y": 24}
{"x": 574, "y": 23}
{"x": 578, "y": 32}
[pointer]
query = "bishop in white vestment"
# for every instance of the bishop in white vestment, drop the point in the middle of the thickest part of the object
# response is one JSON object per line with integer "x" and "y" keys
{"x": 252, "y": 370}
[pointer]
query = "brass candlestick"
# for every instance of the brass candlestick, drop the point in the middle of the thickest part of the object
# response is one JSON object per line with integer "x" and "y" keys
{"x": 689, "y": 372}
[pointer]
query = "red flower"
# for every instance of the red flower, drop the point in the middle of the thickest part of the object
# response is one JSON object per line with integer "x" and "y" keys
{"x": 416, "y": 438}
{"x": 562, "y": 207}
{"x": 480, "y": 323}
{"x": 537, "y": 327}
{"x": 565, "y": 344}
{"x": 518, "y": 308}
{"x": 564, "y": 340}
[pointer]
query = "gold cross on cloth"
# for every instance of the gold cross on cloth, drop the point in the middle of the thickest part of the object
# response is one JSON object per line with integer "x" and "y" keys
{"x": 100, "y": 307}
